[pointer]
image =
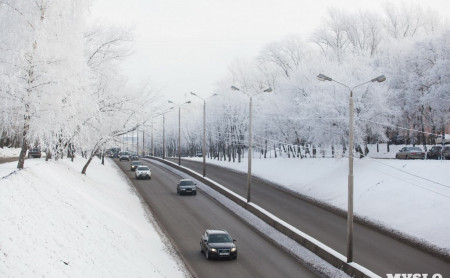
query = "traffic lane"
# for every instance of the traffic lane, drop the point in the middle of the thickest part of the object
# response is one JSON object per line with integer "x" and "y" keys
{"x": 374, "y": 250}
{"x": 8, "y": 159}
{"x": 185, "y": 218}
{"x": 327, "y": 227}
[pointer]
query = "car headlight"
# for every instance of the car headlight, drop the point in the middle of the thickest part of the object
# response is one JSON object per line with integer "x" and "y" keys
{"x": 233, "y": 249}
{"x": 213, "y": 250}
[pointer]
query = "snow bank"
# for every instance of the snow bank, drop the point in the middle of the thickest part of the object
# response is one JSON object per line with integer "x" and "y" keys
{"x": 59, "y": 223}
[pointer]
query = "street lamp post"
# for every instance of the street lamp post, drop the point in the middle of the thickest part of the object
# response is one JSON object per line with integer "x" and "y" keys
{"x": 179, "y": 129}
{"x": 204, "y": 130}
{"x": 157, "y": 115}
{"x": 250, "y": 153}
{"x": 380, "y": 78}
{"x": 164, "y": 138}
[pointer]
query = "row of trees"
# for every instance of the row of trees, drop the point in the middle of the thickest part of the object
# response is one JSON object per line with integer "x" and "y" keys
{"x": 61, "y": 89}
{"x": 406, "y": 43}
{"x": 59, "y": 83}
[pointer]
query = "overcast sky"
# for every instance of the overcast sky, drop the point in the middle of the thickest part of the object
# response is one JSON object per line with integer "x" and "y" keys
{"x": 187, "y": 45}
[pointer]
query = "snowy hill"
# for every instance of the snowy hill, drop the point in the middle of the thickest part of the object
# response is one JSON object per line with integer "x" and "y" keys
{"x": 59, "y": 223}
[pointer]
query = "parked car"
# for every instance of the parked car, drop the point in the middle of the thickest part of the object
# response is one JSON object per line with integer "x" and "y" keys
{"x": 434, "y": 152}
{"x": 186, "y": 186}
{"x": 143, "y": 172}
{"x": 34, "y": 153}
{"x": 124, "y": 156}
{"x": 135, "y": 164}
{"x": 410, "y": 153}
{"x": 218, "y": 244}
{"x": 446, "y": 152}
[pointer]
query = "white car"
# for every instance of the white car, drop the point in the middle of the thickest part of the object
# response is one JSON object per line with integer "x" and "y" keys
{"x": 143, "y": 172}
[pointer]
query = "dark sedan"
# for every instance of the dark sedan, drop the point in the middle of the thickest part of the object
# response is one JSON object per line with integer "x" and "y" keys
{"x": 218, "y": 244}
{"x": 410, "y": 153}
{"x": 135, "y": 164}
{"x": 434, "y": 152}
{"x": 186, "y": 186}
{"x": 446, "y": 152}
{"x": 34, "y": 153}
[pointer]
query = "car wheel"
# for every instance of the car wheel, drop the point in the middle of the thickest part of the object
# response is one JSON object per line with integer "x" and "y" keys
{"x": 207, "y": 254}
{"x": 235, "y": 257}
{"x": 195, "y": 193}
{"x": 406, "y": 157}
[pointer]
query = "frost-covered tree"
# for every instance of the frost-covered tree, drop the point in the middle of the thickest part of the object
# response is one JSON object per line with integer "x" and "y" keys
{"x": 40, "y": 47}
{"x": 407, "y": 20}
{"x": 420, "y": 81}
{"x": 356, "y": 33}
{"x": 285, "y": 55}
{"x": 332, "y": 38}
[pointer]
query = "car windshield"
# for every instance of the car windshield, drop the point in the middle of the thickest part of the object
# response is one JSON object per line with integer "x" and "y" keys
{"x": 219, "y": 238}
{"x": 137, "y": 163}
{"x": 143, "y": 168}
{"x": 186, "y": 182}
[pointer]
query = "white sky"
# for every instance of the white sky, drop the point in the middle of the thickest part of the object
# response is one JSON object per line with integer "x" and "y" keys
{"x": 187, "y": 45}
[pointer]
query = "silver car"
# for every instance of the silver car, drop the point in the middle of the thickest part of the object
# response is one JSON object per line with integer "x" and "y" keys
{"x": 410, "y": 153}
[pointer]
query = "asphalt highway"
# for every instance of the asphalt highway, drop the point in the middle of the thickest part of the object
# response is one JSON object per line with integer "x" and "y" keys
{"x": 372, "y": 249}
{"x": 185, "y": 218}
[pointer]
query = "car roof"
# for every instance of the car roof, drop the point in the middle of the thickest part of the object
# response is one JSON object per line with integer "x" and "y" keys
{"x": 185, "y": 180}
{"x": 212, "y": 231}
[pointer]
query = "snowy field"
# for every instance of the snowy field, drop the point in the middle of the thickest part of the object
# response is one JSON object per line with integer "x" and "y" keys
{"x": 56, "y": 222}
{"x": 410, "y": 196}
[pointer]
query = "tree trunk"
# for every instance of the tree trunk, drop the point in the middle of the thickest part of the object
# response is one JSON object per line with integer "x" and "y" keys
{"x": 24, "y": 148}
{"x": 22, "y": 154}
{"x": 86, "y": 165}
